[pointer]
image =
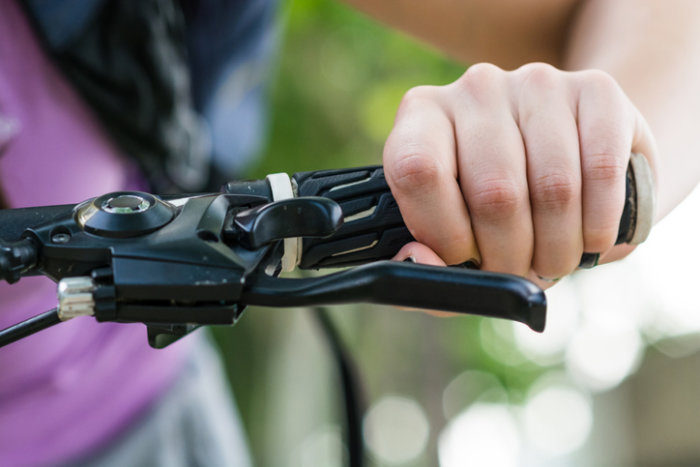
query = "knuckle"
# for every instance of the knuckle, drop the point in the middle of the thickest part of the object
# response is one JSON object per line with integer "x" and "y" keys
{"x": 416, "y": 96}
{"x": 480, "y": 78}
{"x": 480, "y": 71}
{"x": 600, "y": 239}
{"x": 554, "y": 190}
{"x": 413, "y": 169}
{"x": 600, "y": 81}
{"x": 540, "y": 76}
{"x": 604, "y": 167}
{"x": 496, "y": 199}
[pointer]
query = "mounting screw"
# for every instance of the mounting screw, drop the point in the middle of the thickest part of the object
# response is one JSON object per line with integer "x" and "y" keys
{"x": 60, "y": 238}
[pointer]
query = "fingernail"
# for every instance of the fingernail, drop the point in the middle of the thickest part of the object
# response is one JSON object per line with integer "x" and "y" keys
{"x": 549, "y": 279}
{"x": 410, "y": 259}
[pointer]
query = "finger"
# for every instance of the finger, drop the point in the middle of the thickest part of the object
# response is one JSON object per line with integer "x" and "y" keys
{"x": 420, "y": 168}
{"x": 492, "y": 172}
{"x": 607, "y": 124}
{"x": 642, "y": 143}
{"x": 418, "y": 253}
{"x": 541, "y": 282}
{"x": 549, "y": 131}
{"x": 616, "y": 253}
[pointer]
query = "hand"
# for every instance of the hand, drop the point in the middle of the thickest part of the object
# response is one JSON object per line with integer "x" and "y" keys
{"x": 521, "y": 170}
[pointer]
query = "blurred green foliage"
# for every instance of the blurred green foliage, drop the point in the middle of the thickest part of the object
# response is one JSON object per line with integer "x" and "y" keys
{"x": 340, "y": 78}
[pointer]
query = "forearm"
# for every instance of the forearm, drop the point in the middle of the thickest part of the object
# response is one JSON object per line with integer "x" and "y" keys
{"x": 507, "y": 33}
{"x": 652, "y": 49}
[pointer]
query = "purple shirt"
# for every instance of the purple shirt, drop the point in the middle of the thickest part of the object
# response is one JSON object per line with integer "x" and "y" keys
{"x": 67, "y": 390}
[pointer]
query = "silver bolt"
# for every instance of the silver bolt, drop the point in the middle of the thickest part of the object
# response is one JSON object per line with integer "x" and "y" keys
{"x": 126, "y": 204}
{"x": 60, "y": 238}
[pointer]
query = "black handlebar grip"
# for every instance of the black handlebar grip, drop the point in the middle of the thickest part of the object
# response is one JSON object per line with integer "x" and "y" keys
{"x": 374, "y": 229}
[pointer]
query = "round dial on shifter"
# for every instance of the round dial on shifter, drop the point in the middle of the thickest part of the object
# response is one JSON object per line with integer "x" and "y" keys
{"x": 124, "y": 214}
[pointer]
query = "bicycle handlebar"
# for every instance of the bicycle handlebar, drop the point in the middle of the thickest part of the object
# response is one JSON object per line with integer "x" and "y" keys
{"x": 175, "y": 263}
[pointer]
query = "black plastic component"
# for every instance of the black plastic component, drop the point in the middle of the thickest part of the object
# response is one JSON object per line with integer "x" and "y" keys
{"x": 374, "y": 228}
{"x": 628, "y": 221}
{"x": 260, "y": 188}
{"x": 162, "y": 335}
{"x": 297, "y": 217}
{"x": 411, "y": 285}
{"x": 14, "y": 222}
{"x": 180, "y": 273}
{"x": 124, "y": 214}
{"x": 17, "y": 258}
{"x": 589, "y": 260}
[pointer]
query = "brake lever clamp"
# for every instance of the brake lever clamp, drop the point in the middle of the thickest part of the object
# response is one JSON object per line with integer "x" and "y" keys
{"x": 150, "y": 260}
{"x": 173, "y": 264}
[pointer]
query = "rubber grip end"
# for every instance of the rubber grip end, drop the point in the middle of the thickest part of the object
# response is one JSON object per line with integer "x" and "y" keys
{"x": 646, "y": 198}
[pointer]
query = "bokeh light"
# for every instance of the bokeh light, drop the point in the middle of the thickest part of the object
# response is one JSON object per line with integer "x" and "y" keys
{"x": 483, "y": 435}
{"x": 324, "y": 447}
{"x": 614, "y": 296}
{"x": 497, "y": 340}
{"x": 467, "y": 388}
{"x": 557, "y": 419}
{"x": 396, "y": 429}
{"x": 601, "y": 357}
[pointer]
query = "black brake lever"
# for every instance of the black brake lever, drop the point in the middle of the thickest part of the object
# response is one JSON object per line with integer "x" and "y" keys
{"x": 409, "y": 285}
